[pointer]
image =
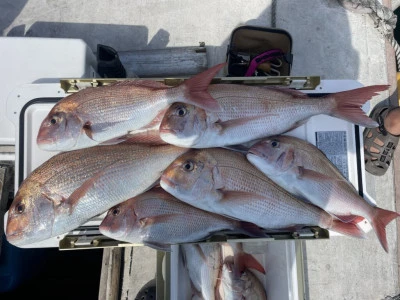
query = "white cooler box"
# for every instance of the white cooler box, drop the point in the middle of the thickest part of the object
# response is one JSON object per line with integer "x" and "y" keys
{"x": 340, "y": 140}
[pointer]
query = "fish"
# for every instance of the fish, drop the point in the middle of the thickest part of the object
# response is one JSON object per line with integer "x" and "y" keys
{"x": 249, "y": 113}
{"x": 157, "y": 219}
{"x": 238, "y": 281}
{"x": 305, "y": 171}
{"x": 105, "y": 115}
{"x": 204, "y": 263}
{"x": 224, "y": 182}
{"x": 72, "y": 187}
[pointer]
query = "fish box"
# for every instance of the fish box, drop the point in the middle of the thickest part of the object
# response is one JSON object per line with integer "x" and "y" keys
{"x": 259, "y": 51}
{"x": 282, "y": 261}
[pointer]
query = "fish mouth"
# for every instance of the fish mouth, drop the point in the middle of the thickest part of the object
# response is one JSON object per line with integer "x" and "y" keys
{"x": 255, "y": 152}
{"x": 15, "y": 238}
{"x": 44, "y": 141}
{"x": 168, "y": 182}
{"x": 166, "y": 130}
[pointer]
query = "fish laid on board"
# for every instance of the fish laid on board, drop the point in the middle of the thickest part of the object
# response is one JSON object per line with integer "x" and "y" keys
{"x": 305, "y": 171}
{"x": 238, "y": 281}
{"x": 157, "y": 219}
{"x": 224, "y": 182}
{"x": 203, "y": 262}
{"x": 105, "y": 115}
{"x": 72, "y": 187}
{"x": 249, "y": 113}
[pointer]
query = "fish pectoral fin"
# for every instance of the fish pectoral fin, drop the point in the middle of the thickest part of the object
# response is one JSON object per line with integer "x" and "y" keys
{"x": 239, "y": 122}
{"x": 87, "y": 129}
{"x": 307, "y": 174}
{"x": 237, "y": 196}
{"x": 116, "y": 140}
{"x": 56, "y": 199}
{"x": 350, "y": 218}
{"x": 158, "y": 246}
{"x": 80, "y": 192}
{"x": 160, "y": 219}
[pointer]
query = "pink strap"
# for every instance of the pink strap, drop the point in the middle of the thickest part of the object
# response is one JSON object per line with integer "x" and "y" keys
{"x": 263, "y": 57}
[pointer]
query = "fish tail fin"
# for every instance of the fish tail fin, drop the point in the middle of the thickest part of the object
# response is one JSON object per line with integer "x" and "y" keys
{"x": 382, "y": 217}
{"x": 349, "y": 229}
{"x": 196, "y": 89}
{"x": 243, "y": 260}
{"x": 348, "y": 104}
{"x": 251, "y": 229}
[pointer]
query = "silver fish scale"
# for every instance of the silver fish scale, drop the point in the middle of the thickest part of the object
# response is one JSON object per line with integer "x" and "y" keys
{"x": 127, "y": 179}
{"x": 252, "y": 113}
{"x": 337, "y": 196}
{"x": 114, "y": 111}
{"x": 188, "y": 224}
{"x": 274, "y": 208}
{"x": 123, "y": 172}
{"x": 240, "y": 101}
{"x": 67, "y": 171}
{"x": 113, "y": 104}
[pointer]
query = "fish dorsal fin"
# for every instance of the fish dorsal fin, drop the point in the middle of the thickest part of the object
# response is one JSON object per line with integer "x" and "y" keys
{"x": 142, "y": 83}
{"x": 288, "y": 91}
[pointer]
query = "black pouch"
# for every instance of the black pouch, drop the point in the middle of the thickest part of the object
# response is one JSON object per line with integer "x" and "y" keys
{"x": 259, "y": 51}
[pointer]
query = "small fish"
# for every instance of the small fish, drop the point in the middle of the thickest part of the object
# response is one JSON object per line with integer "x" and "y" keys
{"x": 224, "y": 182}
{"x": 238, "y": 282}
{"x": 305, "y": 171}
{"x": 157, "y": 219}
{"x": 72, "y": 187}
{"x": 105, "y": 115}
{"x": 204, "y": 263}
{"x": 248, "y": 113}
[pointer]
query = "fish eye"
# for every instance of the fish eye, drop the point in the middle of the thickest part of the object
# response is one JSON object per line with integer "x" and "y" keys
{"x": 115, "y": 211}
{"x": 275, "y": 144}
{"x": 20, "y": 208}
{"x": 54, "y": 120}
{"x": 188, "y": 165}
{"x": 181, "y": 111}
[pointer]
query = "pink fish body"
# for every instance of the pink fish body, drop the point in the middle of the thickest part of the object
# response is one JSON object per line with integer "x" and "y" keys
{"x": 224, "y": 182}
{"x": 249, "y": 113}
{"x": 72, "y": 187}
{"x": 104, "y": 115}
{"x": 157, "y": 219}
{"x": 303, "y": 170}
